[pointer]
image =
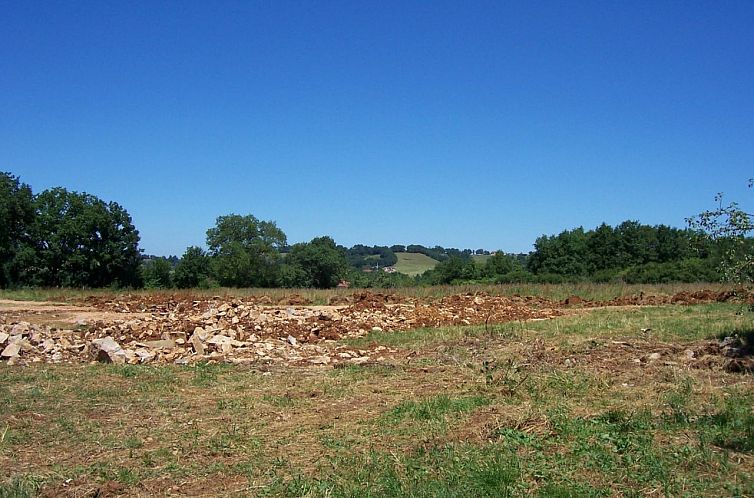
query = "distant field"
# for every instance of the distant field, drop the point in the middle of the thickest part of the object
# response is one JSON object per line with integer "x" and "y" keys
{"x": 480, "y": 259}
{"x": 414, "y": 263}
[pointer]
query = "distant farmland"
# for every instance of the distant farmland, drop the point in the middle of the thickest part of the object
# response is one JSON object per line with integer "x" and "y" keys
{"x": 414, "y": 263}
{"x": 481, "y": 259}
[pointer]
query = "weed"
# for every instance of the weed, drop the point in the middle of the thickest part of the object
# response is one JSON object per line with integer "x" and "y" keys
{"x": 20, "y": 486}
{"x": 205, "y": 374}
{"x": 133, "y": 443}
{"x": 733, "y": 426}
{"x": 507, "y": 374}
{"x": 435, "y": 408}
{"x": 127, "y": 371}
{"x": 678, "y": 402}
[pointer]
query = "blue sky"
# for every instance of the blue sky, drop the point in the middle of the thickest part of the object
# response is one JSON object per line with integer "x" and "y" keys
{"x": 464, "y": 124}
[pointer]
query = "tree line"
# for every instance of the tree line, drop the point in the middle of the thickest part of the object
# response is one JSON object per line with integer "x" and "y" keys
{"x": 60, "y": 238}
{"x": 630, "y": 252}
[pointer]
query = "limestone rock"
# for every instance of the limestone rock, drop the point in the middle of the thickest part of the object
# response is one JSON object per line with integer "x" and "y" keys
{"x": 12, "y": 350}
{"x": 106, "y": 350}
{"x": 198, "y": 345}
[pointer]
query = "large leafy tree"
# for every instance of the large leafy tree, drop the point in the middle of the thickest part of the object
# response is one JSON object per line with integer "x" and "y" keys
{"x": 82, "y": 241}
{"x": 500, "y": 264}
{"x": 192, "y": 270}
{"x": 245, "y": 251}
{"x": 563, "y": 254}
{"x": 16, "y": 220}
{"x": 319, "y": 263}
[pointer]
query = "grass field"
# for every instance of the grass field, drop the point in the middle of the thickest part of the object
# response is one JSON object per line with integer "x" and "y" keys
{"x": 481, "y": 259}
{"x": 564, "y": 407}
{"x": 414, "y": 263}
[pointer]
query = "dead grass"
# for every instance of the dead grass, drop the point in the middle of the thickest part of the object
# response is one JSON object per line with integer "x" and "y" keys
{"x": 589, "y": 291}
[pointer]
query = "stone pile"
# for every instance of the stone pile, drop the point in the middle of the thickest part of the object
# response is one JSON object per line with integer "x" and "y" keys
{"x": 185, "y": 331}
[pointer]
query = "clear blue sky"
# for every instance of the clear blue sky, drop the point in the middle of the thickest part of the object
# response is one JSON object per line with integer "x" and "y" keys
{"x": 464, "y": 124}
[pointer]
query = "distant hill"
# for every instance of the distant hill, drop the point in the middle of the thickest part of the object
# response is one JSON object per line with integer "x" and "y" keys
{"x": 414, "y": 263}
{"x": 481, "y": 259}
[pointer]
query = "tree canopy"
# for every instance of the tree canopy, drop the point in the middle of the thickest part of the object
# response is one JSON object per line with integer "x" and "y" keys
{"x": 319, "y": 263}
{"x": 83, "y": 241}
{"x": 245, "y": 251}
{"x": 16, "y": 219}
{"x": 64, "y": 238}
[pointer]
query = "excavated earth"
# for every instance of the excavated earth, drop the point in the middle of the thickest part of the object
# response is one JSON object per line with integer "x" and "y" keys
{"x": 164, "y": 328}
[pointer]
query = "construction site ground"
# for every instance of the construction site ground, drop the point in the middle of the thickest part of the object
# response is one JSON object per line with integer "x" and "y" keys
{"x": 377, "y": 394}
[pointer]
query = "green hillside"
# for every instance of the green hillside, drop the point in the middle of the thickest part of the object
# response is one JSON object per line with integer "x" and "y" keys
{"x": 414, "y": 263}
{"x": 481, "y": 259}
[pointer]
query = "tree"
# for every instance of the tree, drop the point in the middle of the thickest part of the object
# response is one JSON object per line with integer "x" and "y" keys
{"x": 564, "y": 254}
{"x": 155, "y": 273}
{"x": 82, "y": 241}
{"x": 319, "y": 263}
{"x": 16, "y": 220}
{"x": 452, "y": 270}
{"x": 602, "y": 249}
{"x": 500, "y": 264}
{"x": 245, "y": 251}
{"x": 192, "y": 270}
{"x": 729, "y": 226}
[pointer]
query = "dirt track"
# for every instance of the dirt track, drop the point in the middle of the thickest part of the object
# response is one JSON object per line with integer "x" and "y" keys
{"x": 168, "y": 328}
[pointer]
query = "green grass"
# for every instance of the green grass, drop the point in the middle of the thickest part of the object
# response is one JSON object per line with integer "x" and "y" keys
{"x": 434, "y": 408}
{"x": 414, "y": 263}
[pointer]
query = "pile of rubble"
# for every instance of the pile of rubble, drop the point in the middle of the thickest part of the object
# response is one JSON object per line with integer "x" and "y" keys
{"x": 183, "y": 331}
{"x": 25, "y": 342}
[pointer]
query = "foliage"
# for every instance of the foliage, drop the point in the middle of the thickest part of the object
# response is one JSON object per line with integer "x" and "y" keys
{"x": 361, "y": 256}
{"x": 81, "y": 241}
{"x": 245, "y": 251}
{"x": 16, "y": 218}
{"x": 630, "y": 251}
{"x": 729, "y": 226}
{"x": 319, "y": 263}
{"x": 379, "y": 280}
{"x": 563, "y": 254}
{"x": 440, "y": 253}
{"x": 500, "y": 264}
{"x": 452, "y": 271}
{"x": 192, "y": 270}
{"x": 687, "y": 270}
{"x": 156, "y": 273}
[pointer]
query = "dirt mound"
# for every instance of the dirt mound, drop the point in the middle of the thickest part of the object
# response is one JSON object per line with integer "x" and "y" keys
{"x": 339, "y": 300}
{"x": 294, "y": 300}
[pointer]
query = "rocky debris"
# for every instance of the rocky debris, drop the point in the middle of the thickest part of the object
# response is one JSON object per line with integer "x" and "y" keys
{"x": 107, "y": 350}
{"x": 294, "y": 299}
{"x": 573, "y": 301}
{"x": 185, "y": 329}
{"x": 339, "y": 300}
{"x": 12, "y": 350}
